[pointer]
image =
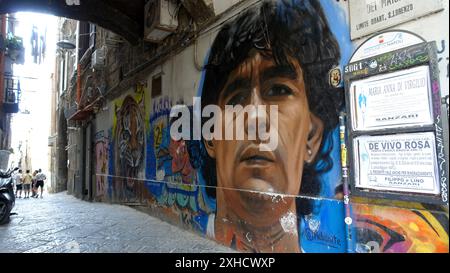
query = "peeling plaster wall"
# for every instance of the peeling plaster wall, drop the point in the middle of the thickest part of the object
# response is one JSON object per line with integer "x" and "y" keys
{"x": 170, "y": 179}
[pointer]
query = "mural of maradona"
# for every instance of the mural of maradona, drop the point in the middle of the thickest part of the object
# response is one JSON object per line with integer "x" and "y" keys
{"x": 278, "y": 53}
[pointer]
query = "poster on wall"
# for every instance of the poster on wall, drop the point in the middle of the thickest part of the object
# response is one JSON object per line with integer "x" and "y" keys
{"x": 403, "y": 162}
{"x": 370, "y": 16}
{"x": 384, "y": 42}
{"x": 391, "y": 100}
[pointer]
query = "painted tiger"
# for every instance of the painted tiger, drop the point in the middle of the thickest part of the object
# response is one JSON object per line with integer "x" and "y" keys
{"x": 129, "y": 146}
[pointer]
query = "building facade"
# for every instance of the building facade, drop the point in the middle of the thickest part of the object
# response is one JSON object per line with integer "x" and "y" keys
{"x": 11, "y": 52}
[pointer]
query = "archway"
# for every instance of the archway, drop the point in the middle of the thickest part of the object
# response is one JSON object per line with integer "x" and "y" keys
{"x": 123, "y": 17}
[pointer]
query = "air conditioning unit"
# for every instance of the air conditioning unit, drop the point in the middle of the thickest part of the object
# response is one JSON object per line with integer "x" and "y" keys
{"x": 159, "y": 19}
{"x": 98, "y": 58}
{"x": 113, "y": 40}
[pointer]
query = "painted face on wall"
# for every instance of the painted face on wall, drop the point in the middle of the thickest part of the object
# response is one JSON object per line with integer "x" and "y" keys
{"x": 396, "y": 230}
{"x": 130, "y": 136}
{"x": 129, "y": 148}
{"x": 249, "y": 179}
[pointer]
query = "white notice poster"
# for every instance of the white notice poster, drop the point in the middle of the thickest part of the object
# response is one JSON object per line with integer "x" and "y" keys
{"x": 404, "y": 163}
{"x": 371, "y": 16}
{"x": 399, "y": 99}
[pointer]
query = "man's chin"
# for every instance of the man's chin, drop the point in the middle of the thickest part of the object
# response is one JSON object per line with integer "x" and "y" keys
{"x": 256, "y": 185}
{"x": 258, "y": 194}
{"x": 262, "y": 209}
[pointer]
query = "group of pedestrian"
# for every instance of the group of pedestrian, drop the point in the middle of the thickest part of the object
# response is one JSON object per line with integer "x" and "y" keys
{"x": 29, "y": 182}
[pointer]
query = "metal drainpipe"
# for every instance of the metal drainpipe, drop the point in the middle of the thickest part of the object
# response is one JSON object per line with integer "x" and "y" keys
{"x": 348, "y": 217}
{"x": 2, "y": 62}
{"x": 78, "y": 85}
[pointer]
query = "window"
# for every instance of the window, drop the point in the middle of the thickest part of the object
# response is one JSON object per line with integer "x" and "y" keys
{"x": 156, "y": 86}
{"x": 63, "y": 73}
{"x": 86, "y": 37}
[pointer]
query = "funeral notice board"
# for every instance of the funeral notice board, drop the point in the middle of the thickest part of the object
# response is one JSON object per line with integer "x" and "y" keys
{"x": 391, "y": 100}
{"x": 394, "y": 126}
{"x": 400, "y": 162}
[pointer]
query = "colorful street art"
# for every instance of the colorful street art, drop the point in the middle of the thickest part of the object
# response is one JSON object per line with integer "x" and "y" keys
{"x": 173, "y": 180}
{"x": 396, "y": 230}
{"x": 279, "y": 52}
{"x": 129, "y": 147}
{"x": 276, "y": 53}
{"x": 183, "y": 174}
{"x": 101, "y": 164}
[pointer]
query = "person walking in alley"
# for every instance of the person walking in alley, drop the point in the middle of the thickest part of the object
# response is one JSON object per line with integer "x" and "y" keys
{"x": 40, "y": 177}
{"x": 27, "y": 179}
{"x": 18, "y": 182}
{"x": 33, "y": 183}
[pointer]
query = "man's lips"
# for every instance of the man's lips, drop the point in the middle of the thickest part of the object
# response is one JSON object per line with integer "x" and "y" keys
{"x": 252, "y": 154}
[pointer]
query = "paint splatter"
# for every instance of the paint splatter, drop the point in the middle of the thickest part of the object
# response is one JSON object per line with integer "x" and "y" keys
{"x": 289, "y": 223}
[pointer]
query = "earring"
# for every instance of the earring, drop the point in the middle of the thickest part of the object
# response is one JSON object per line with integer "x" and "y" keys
{"x": 309, "y": 152}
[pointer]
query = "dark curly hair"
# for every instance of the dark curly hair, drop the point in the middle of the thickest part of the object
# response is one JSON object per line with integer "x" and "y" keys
{"x": 295, "y": 28}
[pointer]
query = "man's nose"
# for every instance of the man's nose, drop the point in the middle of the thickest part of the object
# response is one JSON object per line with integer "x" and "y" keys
{"x": 257, "y": 119}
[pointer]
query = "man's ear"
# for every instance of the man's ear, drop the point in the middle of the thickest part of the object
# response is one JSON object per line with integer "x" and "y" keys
{"x": 209, "y": 145}
{"x": 314, "y": 139}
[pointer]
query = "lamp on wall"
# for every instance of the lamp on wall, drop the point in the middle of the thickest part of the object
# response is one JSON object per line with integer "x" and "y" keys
{"x": 65, "y": 44}
{"x": 65, "y": 48}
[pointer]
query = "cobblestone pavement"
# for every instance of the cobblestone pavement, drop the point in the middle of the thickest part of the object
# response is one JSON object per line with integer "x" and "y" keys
{"x": 62, "y": 223}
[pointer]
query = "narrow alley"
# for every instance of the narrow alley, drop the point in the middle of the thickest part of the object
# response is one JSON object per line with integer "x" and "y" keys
{"x": 61, "y": 223}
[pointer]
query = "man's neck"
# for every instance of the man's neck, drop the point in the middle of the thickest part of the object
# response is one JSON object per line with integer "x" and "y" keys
{"x": 230, "y": 229}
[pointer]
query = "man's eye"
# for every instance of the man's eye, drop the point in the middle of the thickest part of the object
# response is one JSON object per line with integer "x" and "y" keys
{"x": 237, "y": 99}
{"x": 126, "y": 135}
{"x": 279, "y": 90}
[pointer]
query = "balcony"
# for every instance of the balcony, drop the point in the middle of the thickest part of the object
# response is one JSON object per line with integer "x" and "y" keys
{"x": 70, "y": 111}
{"x": 14, "y": 48}
{"x": 12, "y": 95}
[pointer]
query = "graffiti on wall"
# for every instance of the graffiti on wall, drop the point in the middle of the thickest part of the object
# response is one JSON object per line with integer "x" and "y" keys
{"x": 276, "y": 53}
{"x": 101, "y": 164}
{"x": 159, "y": 121}
{"x": 396, "y": 230}
{"x": 441, "y": 56}
{"x": 129, "y": 147}
{"x": 322, "y": 230}
{"x": 172, "y": 179}
{"x": 111, "y": 170}
{"x": 286, "y": 200}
